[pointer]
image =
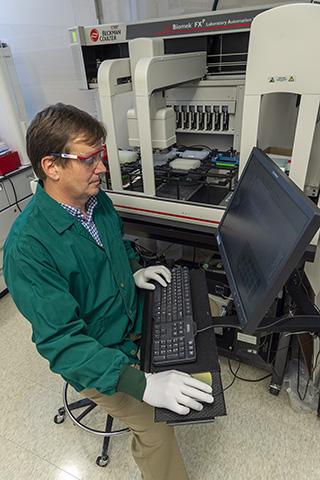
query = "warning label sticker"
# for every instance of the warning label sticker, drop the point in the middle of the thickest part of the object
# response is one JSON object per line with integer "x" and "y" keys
{"x": 281, "y": 78}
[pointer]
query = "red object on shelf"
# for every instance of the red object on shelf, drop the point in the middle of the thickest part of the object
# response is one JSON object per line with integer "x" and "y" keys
{"x": 9, "y": 162}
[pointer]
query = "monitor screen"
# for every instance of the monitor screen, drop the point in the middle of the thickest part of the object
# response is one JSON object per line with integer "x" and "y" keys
{"x": 263, "y": 234}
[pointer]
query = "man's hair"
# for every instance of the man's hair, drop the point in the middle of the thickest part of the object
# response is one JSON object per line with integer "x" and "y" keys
{"x": 52, "y": 130}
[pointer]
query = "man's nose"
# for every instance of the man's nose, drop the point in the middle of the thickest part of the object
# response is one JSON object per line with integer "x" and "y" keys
{"x": 100, "y": 167}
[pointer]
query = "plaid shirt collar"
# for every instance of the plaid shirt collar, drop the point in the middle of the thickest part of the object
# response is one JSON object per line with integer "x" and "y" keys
{"x": 76, "y": 212}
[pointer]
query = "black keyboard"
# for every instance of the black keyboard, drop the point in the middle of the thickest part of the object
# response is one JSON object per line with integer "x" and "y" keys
{"x": 173, "y": 328}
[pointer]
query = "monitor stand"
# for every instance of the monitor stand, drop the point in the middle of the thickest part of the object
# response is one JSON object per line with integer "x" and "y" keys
{"x": 309, "y": 321}
{"x": 289, "y": 324}
{"x": 285, "y": 326}
{"x": 293, "y": 324}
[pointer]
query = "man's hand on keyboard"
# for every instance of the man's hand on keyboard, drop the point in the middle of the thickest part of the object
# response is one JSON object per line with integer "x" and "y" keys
{"x": 159, "y": 273}
{"x": 176, "y": 391}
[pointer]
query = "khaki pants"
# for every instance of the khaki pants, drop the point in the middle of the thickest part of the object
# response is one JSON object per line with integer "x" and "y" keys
{"x": 154, "y": 445}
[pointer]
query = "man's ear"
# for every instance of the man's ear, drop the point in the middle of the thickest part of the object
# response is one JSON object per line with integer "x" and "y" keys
{"x": 50, "y": 168}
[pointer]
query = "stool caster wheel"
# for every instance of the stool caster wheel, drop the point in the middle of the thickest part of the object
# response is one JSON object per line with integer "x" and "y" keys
{"x": 59, "y": 419}
{"x": 102, "y": 461}
{"x": 274, "y": 390}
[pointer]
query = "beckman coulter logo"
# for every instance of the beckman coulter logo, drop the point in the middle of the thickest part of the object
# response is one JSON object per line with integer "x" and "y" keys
{"x": 94, "y": 35}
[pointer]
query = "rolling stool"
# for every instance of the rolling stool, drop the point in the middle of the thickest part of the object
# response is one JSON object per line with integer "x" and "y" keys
{"x": 103, "y": 459}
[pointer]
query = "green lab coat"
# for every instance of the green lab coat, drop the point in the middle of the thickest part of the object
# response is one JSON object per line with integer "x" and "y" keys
{"x": 80, "y": 298}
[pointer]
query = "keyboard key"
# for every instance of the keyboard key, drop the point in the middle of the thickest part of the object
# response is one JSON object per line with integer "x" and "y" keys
{"x": 159, "y": 358}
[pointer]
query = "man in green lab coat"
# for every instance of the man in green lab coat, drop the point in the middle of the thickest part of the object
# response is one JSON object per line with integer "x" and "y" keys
{"x": 77, "y": 281}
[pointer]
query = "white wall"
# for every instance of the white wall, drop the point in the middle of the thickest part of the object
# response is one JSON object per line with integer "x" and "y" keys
{"x": 37, "y": 32}
{"x": 132, "y": 10}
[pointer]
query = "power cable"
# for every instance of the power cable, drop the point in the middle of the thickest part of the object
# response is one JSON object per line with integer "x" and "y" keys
{"x": 14, "y": 191}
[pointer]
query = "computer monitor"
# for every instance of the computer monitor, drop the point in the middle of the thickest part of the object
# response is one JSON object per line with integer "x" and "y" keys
{"x": 263, "y": 234}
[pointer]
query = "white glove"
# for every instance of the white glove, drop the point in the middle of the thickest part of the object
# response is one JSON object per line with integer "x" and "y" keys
{"x": 156, "y": 272}
{"x": 176, "y": 391}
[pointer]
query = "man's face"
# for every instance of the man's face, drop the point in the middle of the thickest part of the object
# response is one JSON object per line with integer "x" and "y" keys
{"x": 79, "y": 180}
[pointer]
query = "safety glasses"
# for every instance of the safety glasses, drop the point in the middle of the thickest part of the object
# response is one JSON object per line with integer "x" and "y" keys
{"x": 91, "y": 160}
